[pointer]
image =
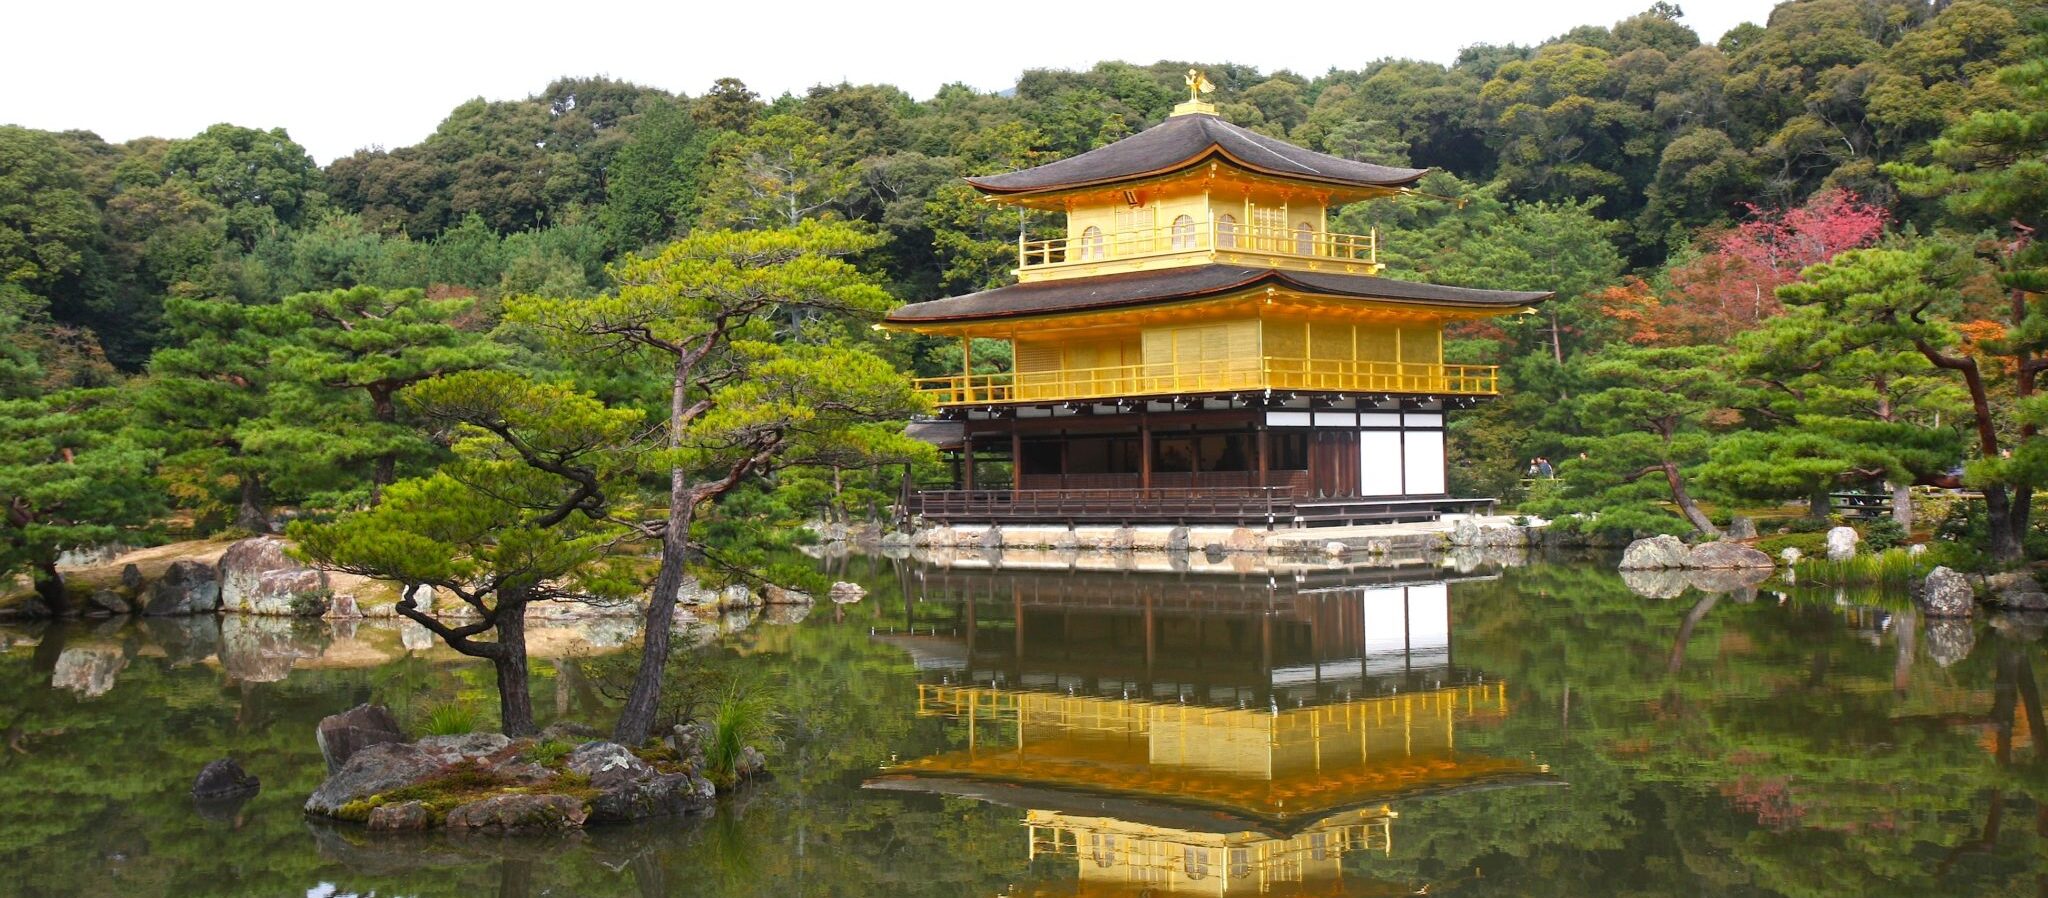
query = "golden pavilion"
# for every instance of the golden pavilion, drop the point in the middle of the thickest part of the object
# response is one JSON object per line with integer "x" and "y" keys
{"x": 1176, "y": 734}
{"x": 1200, "y": 346}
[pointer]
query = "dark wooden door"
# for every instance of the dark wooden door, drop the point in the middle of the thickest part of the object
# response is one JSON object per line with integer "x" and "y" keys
{"x": 1333, "y": 462}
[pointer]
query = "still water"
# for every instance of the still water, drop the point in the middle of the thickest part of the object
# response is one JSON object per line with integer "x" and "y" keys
{"x": 1027, "y": 729}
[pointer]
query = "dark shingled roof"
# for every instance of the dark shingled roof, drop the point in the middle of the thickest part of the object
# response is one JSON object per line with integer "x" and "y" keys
{"x": 1184, "y": 141}
{"x": 1191, "y": 282}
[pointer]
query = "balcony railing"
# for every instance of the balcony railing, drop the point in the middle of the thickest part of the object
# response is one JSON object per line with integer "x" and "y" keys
{"x": 1197, "y": 237}
{"x": 1267, "y": 373}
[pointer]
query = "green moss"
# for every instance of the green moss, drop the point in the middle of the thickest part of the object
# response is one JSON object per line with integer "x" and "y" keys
{"x": 463, "y": 783}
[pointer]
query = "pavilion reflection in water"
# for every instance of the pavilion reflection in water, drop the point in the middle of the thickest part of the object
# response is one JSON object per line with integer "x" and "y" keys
{"x": 1189, "y": 734}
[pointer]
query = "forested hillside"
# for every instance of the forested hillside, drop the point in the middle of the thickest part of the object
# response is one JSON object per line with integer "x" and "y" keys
{"x": 1663, "y": 185}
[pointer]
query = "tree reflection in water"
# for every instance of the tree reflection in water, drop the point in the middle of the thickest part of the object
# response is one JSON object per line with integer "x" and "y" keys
{"x": 1798, "y": 745}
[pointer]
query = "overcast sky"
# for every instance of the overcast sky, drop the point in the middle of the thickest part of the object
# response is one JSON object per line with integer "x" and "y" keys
{"x": 356, "y": 73}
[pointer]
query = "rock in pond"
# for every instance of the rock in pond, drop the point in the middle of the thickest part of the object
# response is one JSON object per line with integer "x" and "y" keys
{"x": 1946, "y": 593}
{"x": 519, "y": 812}
{"x": 186, "y": 587}
{"x": 224, "y": 779}
{"x": 652, "y": 795}
{"x": 751, "y": 763}
{"x": 107, "y": 603}
{"x": 844, "y": 593}
{"x": 258, "y": 577}
{"x": 1724, "y": 555}
{"x": 606, "y": 763}
{"x": 378, "y": 768}
{"x": 1663, "y": 552}
{"x": 455, "y": 749}
{"x": 340, "y": 736}
{"x": 1842, "y": 543}
{"x": 405, "y": 816}
{"x": 776, "y": 595}
{"x": 2016, "y": 591}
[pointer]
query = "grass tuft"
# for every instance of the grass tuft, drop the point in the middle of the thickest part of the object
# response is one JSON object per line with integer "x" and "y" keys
{"x": 744, "y": 717}
{"x": 451, "y": 719}
{"x": 1892, "y": 567}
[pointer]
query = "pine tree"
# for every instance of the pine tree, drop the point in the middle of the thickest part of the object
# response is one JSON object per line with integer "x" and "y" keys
{"x": 70, "y": 477}
{"x": 521, "y": 515}
{"x": 374, "y": 343}
{"x": 757, "y": 336}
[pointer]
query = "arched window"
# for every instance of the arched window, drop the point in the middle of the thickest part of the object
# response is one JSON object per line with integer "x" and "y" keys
{"x": 1304, "y": 239}
{"x": 1091, "y": 244}
{"x": 1240, "y": 863}
{"x": 1184, "y": 232}
{"x": 1226, "y": 231}
{"x": 1196, "y": 862}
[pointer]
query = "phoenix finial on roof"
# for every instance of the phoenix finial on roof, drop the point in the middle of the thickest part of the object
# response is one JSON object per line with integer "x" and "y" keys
{"x": 1198, "y": 84}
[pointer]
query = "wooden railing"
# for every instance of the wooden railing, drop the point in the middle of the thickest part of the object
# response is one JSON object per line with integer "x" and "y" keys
{"x": 1192, "y": 237}
{"x": 1250, "y": 506}
{"x": 1269, "y": 372}
{"x": 1234, "y": 505}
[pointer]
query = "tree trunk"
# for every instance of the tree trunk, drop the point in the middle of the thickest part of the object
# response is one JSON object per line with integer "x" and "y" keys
{"x": 643, "y": 703}
{"x": 1817, "y": 502}
{"x": 1686, "y": 505}
{"x": 2005, "y": 542}
{"x": 515, "y": 693}
{"x": 50, "y": 585}
{"x": 253, "y": 511}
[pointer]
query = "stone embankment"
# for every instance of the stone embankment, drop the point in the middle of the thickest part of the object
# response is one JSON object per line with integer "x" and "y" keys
{"x": 564, "y": 778}
{"x": 259, "y": 578}
{"x": 1424, "y": 538}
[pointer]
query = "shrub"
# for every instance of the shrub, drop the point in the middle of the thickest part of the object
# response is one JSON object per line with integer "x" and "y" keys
{"x": 1808, "y": 524}
{"x": 451, "y": 719}
{"x": 1883, "y": 533}
{"x": 1810, "y": 544}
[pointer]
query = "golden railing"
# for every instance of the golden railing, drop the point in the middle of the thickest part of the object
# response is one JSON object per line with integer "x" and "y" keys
{"x": 1268, "y": 372}
{"x": 1191, "y": 237}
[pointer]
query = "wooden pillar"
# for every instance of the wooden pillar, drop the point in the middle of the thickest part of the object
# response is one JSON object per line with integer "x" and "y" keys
{"x": 966, "y": 369}
{"x": 967, "y": 461}
{"x": 1016, "y": 455}
{"x": 1315, "y": 451}
{"x": 1144, "y": 449}
{"x": 1264, "y": 460}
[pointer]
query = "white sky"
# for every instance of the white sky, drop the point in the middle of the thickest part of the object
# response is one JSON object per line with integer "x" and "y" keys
{"x": 352, "y": 73}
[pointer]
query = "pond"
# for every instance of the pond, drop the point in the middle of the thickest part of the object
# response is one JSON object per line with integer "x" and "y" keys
{"x": 1027, "y": 728}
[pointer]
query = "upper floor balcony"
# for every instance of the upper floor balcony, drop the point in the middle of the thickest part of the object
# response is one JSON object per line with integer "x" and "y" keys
{"x": 1266, "y": 372}
{"x": 1185, "y": 241}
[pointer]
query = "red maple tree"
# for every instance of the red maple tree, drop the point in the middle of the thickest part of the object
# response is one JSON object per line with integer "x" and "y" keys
{"x": 1731, "y": 285}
